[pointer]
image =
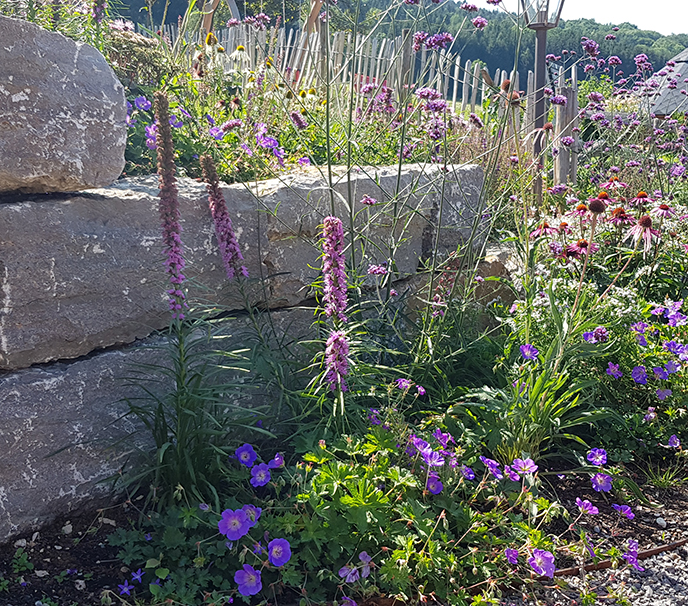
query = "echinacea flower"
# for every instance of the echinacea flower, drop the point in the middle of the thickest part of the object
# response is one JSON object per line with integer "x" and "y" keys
{"x": 642, "y": 231}
{"x": 580, "y": 248}
{"x": 586, "y": 506}
{"x": 663, "y": 211}
{"x": 248, "y": 580}
{"x": 542, "y": 562}
{"x": 544, "y": 230}
{"x": 619, "y": 216}
{"x": 279, "y": 552}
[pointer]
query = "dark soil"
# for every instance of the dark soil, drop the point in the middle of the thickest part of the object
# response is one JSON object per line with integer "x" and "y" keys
{"x": 73, "y": 564}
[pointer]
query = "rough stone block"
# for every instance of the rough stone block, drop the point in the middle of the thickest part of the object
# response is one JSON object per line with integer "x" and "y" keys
{"x": 62, "y": 112}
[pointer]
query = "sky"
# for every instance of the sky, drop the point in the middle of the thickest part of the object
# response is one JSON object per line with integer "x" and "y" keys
{"x": 664, "y": 16}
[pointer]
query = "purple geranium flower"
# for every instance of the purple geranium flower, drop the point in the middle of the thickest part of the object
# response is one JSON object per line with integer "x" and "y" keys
{"x": 493, "y": 466}
{"x": 674, "y": 442}
{"x": 663, "y": 394}
{"x": 601, "y": 482}
{"x": 639, "y": 375}
{"x": 511, "y": 555}
{"x": 142, "y": 103}
{"x": 624, "y": 510}
{"x": 248, "y": 580}
{"x": 260, "y": 475}
{"x": 511, "y": 474}
{"x": 529, "y": 352}
{"x": 434, "y": 485}
{"x": 467, "y": 472}
{"x": 234, "y": 524}
{"x": 525, "y": 466}
{"x": 586, "y": 507}
{"x": 542, "y": 562}
{"x": 432, "y": 458}
{"x": 246, "y": 455}
{"x": 366, "y": 559}
{"x": 277, "y": 461}
{"x": 252, "y": 514}
{"x": 279, "y": 552}
{"x": 349, "y": 573}
{"x": 613, "y": 371}
{"x": 597, "y": 456}
{"x": 403, "y": 384}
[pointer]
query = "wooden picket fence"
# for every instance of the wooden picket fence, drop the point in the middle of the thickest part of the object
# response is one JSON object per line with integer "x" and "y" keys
{"x": 307, "y": 60}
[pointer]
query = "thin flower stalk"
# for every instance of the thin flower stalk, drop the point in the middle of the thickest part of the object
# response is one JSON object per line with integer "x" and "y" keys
{"x": 169, "y": 208}
{"x": 230, "y": 252}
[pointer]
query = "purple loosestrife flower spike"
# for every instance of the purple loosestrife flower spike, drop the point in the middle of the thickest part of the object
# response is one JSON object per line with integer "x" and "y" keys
{"x": 334, "y": 275}
{"x": 279, "y": 552}
{"x": 169, "y": 207}
{"x": 248, "y": 580}
{"x": 337, "y": 360}
{"x": 224, "y": 231}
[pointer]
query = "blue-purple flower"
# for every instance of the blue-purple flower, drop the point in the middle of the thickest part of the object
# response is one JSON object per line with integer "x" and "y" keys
{"x": 126, "y": 588}
{"x": 434, "y": 485}
{"x": 142, "y": 103}
{"x": 613, "y": 371}
{"x": 137, "y": 576}
{"x": 349, "y": 573}
{"x": 233, "y": 524}
{"x": 252, "y": 514}
{"x": 601, "y": 482}
{"x": 525, "y": 466}
{"x": 639, "y": 375}
{"x": 279, "y": 552}
{"x": 529, "y": 352}
{"x": 663, "y": 394}
{"x": 674, "y": 442}
{"x": 277, "y": 461}
{"x": 260, "y": 475}
{"x": 366, "y": 560}
{"x": 492, "y": 466}
{"x": 467, "y": 472}
{"x": 542, "y": 562}
{"x": 248, "y": 580}
{"x": 432, "y": 458}
{"x": 586, "y": 506}
{"x": 511, "y": 555}
{"x": 624, "y": 510}
{"x": 597, "y": 456}
{"x": 246, "y": 455}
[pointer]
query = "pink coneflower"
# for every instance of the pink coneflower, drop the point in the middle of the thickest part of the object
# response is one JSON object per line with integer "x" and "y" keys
{"x": 598, "y": 205}
{"x": 580, "y": 248}
{"x": 543, "y": 230}
{"x": 620, "y": 217}
{"x": 564, "y": 228}
{"x": 581, "y": 211}
{"x": 663, "y": 211}
{"x": 641, "y": 199}
{"x": 614, "y": 183}
{"x": 642, "y": 230}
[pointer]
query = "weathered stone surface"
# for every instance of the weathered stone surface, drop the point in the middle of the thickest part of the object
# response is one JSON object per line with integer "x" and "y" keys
{"x": 44, "y": 410}
{"x": 85, "y": 271}
{"x": 62, "y": 112}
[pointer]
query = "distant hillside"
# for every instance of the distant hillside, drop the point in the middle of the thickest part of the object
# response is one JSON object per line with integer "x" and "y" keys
{"x": 495, "y": 45}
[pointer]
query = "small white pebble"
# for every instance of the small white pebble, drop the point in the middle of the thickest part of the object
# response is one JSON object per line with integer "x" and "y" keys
{"x": 661, "y": 522}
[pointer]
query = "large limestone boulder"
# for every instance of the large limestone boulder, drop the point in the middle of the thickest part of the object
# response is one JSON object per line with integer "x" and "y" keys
{"x": 62, "y": 112}
{"x": 83, "y": 272}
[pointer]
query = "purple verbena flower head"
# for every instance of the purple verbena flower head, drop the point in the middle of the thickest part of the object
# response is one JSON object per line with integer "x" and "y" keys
{"x": 479, "y": 23}
{"x": 403, "y": 384}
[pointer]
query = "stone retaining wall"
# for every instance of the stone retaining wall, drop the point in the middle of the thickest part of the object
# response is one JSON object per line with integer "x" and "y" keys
{"x": 81, "y": 277}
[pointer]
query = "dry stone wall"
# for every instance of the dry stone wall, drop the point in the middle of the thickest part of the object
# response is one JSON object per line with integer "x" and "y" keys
{"x": 81, "y": 277}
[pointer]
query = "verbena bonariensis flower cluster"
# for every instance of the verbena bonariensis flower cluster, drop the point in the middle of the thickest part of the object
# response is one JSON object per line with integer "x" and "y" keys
{"x": 226, "y": 239}
{"x": 169, "y": 208}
